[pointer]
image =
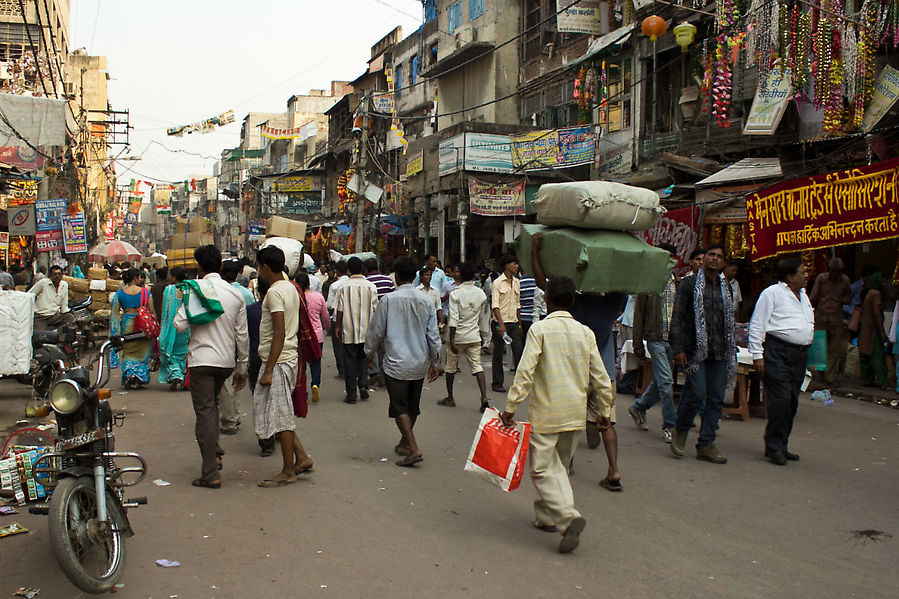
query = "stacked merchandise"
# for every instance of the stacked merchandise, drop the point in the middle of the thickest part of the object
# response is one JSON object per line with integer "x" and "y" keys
{"x": 587, "y": 228}
{"x": 190, "y": 233}
{"x": 100, "y": 286}
{"x": 16, "y": 327}
{"x": 79, "y": 289}
{"x": 17, "y": 474}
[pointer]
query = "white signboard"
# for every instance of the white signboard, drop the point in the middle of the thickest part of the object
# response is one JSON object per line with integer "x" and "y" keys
{"x": 769, "y": 104}
{"x": 886, "y": 92}
{"x": 578, "y": 16}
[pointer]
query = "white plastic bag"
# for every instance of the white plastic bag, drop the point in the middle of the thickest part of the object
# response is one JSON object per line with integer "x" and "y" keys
{"x": 499, "y": 453}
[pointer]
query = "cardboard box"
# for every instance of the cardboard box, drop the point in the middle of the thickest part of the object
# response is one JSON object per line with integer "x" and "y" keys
{"x": 100, "y": 297}
{"x": 188, "y": 263}
{"x": 97, "y": 273}
{"x": 193, "y": 225}
{"x": 191, "y": 240}
{"x": 179, "y": 254}
{"x": 76, "y": 285}
{"x": 278, "y": 226}
{"x": 113, "y": 284}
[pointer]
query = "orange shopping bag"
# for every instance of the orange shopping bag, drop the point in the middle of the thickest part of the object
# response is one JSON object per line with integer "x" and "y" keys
{"x": 499, "y": 453}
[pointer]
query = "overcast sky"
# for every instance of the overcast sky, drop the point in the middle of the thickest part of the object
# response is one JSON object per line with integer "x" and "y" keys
{"x": 177, "y": 62}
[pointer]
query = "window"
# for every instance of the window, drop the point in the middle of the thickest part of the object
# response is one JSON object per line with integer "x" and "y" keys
{"x": 430, "y": 10}
{"x": 414, "y": 68}
{"x": 399, "y": 80}
{"x": 432, "y": 52}
{"x": 475, "y": 9}
{"x": 455, "y": 16}
{"x": 618, "y": 114}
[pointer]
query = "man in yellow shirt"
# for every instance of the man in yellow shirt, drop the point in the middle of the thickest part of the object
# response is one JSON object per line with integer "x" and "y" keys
{"x": 506, "y": 308}
{"x": 559, "y": 368}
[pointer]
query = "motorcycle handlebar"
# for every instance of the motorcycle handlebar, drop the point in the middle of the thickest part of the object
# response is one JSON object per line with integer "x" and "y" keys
{"x": 114, "y": 342}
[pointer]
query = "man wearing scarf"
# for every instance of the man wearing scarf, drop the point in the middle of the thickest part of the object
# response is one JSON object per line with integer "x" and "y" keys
{"x": 702, "y": 340}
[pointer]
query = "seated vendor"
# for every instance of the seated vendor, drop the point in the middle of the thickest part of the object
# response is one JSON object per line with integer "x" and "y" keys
{"x": 51, "y": 304}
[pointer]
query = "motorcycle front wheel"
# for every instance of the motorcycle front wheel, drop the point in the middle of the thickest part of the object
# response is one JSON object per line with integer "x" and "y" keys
{"x": 91, "y": 554}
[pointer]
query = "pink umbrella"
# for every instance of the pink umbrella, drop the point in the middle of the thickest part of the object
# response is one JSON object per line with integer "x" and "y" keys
{"x": 114, "y": 251}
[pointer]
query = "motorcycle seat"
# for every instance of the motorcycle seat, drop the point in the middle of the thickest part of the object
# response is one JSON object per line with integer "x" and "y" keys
{"x": 45, "y": 337}
{"x": 82, "y": 303}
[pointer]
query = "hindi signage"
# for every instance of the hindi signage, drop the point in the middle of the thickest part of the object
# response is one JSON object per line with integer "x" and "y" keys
{"x": 578, "y": 16}
{"x": 298, "y": 183}
{"x": 414, "y": 164}
{"x": 841, "y": 208}
{"x": 48, "y": 241}
{"x": 769, "y": 104}
{"x": 74, "y": 233}
{"x": 49, "y": 213}
{"x": 21, "y": 220}
{"x": 496, "y": 199}
{"x": 679, "y": 228}
{"x": 886, "y": 92}
{"x": 559, "y": 148}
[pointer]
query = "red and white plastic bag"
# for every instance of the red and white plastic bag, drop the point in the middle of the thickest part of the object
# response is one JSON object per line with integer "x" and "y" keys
{"x": 499, "y": 453}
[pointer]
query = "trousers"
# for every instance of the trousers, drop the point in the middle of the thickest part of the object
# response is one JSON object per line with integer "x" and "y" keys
{"x": 784, "y": 372}
{"x": 355, "y": 370}
{"x": 499, "y": 349}
{"x": 703, "y": 392}
{"x": 339, "y": 352}
{"x": 206, "y": 383}
{"x": 550, "y": 456}
{"x": 230, "y": 404}
{"x": 836, "y": 348}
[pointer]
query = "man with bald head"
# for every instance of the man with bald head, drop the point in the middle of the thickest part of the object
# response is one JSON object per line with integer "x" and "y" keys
{"x": 832, "y": 289}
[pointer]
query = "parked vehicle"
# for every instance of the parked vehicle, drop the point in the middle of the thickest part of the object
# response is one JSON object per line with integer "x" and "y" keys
{"x": 87, "y": 509}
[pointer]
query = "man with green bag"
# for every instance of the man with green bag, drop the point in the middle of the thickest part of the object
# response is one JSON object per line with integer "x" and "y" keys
{"x": 216, "y": 315}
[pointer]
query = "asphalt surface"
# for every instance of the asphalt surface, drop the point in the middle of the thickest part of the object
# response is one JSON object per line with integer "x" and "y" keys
{"x": 359, "y": 526}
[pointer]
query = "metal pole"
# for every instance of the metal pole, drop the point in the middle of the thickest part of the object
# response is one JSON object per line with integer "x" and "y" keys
{"x": 360, "y": 171}
{"x": 655, "y": 104}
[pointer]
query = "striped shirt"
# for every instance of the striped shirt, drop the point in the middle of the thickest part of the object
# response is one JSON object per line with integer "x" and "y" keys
{"x": 356, "y": 300}
{"x": 528, "y": 285}
{"x": 559, "y": 366}
{"x": 382, "y": 283}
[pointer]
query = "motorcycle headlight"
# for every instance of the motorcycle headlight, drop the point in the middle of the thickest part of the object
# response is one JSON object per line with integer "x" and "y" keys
{"x": 65, "y": 396}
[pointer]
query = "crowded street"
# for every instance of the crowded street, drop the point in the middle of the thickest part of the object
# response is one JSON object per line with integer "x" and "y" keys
{"x": 358, "y": 526}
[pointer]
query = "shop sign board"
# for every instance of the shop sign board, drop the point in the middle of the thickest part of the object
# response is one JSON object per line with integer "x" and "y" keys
{"x": 886, "y": 92}
{"x": 74, "y": 233}
{"x": 476, "y": 152}
{"x": 4, "y": 246}
{"x": 840, "y": 208}
{"x": 496, "y": 199}
{"x": 770, "y": 103}
{"x": 450, "y": 155}
{"x": 679, "y": 228}
{"x": 415, "y": 164}
{"x": 578, "y": 16}
{"x": 298, "y": 183}
{"x": 21, "y": 220}
{"x": 22, "y": 157}
{"x": 558, "y": 148}
{"x": 48, "y": 241}
{"x": 49, "y": 213}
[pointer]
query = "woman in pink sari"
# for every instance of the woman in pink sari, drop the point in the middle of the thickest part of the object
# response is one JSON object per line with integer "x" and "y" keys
{"x": 318, "y": 315}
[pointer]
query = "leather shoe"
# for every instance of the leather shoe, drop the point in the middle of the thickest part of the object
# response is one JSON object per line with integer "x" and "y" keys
{"x": 793, "y": 457}
{"x": 777, "y": 457}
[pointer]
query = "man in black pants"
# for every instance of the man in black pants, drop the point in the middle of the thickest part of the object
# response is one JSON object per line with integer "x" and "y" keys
{"x": 781, "y": 330}
{"x": 506, "y": 309}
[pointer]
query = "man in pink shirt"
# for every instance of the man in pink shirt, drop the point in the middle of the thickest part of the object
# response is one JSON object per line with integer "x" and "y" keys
{"x": 318, "y": 314}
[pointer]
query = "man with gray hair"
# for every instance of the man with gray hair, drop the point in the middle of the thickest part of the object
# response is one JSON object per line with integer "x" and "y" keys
{"x": 832, "y": 289}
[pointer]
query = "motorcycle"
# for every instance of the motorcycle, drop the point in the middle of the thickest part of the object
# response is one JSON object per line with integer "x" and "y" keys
{"x": 87, "y": 509}
{"x": 54, "y": 350}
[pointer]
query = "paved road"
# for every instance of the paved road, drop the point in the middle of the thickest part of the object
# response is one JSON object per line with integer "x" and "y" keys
{"x": 361, "y": 527}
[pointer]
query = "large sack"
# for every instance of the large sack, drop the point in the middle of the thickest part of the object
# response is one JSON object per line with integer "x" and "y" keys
{"x": 597, "y": 205}
{"x": 99, "y": 274}
{"x": 16, "y": 322}
{"x": 338, "y": 257}
{"x": 597, "y": 261}
{"x": 76, "y": 285}
{"x": 293, "y": 252}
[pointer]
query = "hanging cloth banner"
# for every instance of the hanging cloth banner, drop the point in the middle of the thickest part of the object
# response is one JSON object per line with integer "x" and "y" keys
{"x": 496, "y": 199}
{"x": 272, "y": 133}
{"x": 560, "y": 148}
{"x": 841, "y": 208}
{"x": 74, "y": 233}
{"x": 678, "y": 228}
{"x": 164, "y": 209}
{"x": 203, "y": 126}
{"x": 134, "y": 207}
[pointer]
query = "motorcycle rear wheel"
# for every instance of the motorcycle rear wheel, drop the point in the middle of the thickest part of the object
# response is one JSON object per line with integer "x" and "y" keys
{"x": 91, "y": 555}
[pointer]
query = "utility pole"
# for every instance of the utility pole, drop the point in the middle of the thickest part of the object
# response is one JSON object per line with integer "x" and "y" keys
{"x": 360, "y": 172}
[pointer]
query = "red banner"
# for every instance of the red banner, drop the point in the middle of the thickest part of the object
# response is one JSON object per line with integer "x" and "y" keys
{"x": 852, "y": 206}
{"x": 47, "y": 241}
{"x": 679, "y": 228}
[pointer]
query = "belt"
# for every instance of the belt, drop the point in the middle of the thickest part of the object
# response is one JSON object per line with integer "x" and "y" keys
{"x": 787, "y": 344}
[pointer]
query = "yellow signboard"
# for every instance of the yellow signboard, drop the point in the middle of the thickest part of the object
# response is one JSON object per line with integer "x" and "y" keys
{"x": 414, "y": 164}
{"x": 298, "y": 183}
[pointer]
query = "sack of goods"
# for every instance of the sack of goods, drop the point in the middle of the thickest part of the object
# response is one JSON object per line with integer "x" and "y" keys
{"x": 597, "y": 205}
{"x": 78, "y": 288}
{"x": 293, "y": 252}
{"x": 16, "y": 322}
{"x": 597, "y": 261}
{"x": 97, "y": 274}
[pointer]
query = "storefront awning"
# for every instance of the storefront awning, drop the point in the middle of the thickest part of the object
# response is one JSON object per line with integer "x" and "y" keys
{"x": 746, "y": 170}
{"x": 619, "y": 36}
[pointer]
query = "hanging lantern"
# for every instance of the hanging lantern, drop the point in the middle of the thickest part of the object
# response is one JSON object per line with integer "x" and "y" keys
{"x": 684, "y": 34}
{"x": 653, "y": 27}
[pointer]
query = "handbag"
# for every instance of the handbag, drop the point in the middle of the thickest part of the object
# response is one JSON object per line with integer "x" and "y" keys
{"x": 298, "y": 396}
{"x": 310, "y": 350}
{"x": 499, "y": 453}
{"x": 855, "y": 320}
{"x": 145, "y": 321}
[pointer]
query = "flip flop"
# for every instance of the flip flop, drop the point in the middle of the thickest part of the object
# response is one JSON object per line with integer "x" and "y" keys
{"x": 199, "y": 482}
{"x": 401, "y": 450}
{"x": 271, "y": 483}
{"x": 446, "y": 402}
{"x": 611, "y": 485}
{"x": 303, "y": 469}
{"x": 410, "y": 460}
{"x": 484, "y": 406}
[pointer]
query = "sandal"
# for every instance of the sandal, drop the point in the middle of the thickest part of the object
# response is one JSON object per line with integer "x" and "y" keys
{"x": 447, "y": 402}
{"x": 303, "y": 469}
{"x": 410, "y": 460}
{"x": 611, "y": 485}
{"x": 271, "y": 483}
{"x": 199, "y": 482}
{"x": 401, "y": 450}
{"x": 218, "y": 462}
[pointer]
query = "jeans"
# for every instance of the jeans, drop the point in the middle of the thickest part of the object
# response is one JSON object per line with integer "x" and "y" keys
{"x": 315, "y": 370}
{"x": 499, "y": 349}
{"x": 707, "y": 384}
{"x": 339, "y": 352}
{"x": 355, "y": 370}
{"x": 661, "y": 389}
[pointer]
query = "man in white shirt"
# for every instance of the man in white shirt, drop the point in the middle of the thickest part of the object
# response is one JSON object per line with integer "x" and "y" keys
{"x": 51, "y": 301}
{"x": 211, "y": 356}
{"x": 438, "y": 277}
{"x": 780, "y": 332}
{"x": 333, "y": 293}
{"x": 469, "y": 329}
{"x": 272, "y": 400}
{"x": 356, "y": 303}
